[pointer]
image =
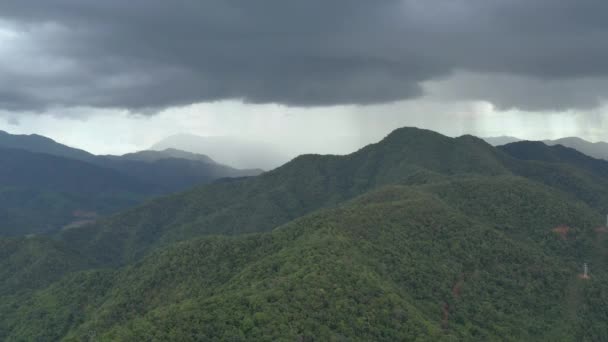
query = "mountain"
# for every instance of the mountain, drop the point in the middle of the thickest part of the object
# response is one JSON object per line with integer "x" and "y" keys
{"x": 41, "y": 192}
{"x": 45, "y": 186}
{"x": 170, "y": 169}
{"x": 417, "y": 237}
{"x": 502, "y": 140}
{"x": 596, "y": 150}
{"x": 237, "y": 152}
{"x": 40, "y": 144}
{"x": 170, "y": 153}
{"x": 303, "y": 185}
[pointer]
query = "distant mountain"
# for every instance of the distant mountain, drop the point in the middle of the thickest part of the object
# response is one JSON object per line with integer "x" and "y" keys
{"x": 231, "y": 151}
{"x": 417, "y": 237}
{"x": 310, "y": 182}
{"x": 40, "y": 144}
{"x": 169, "y": 169}
{"x": 502, "y": 140}
{"x": 171, "y": 172}
{"x": 44, "y": 185}
{"x": 170, "y": 153}
{"x": 596, "y": 150}
{"x": 41, "y": 192}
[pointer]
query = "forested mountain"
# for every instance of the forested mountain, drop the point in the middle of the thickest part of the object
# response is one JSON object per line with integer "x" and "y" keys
{"x": 41, "y": 192}
{"x": 170, "y": 169}
{"x": 45, "y": 186}
{"x": 40, "y": 144}
{"x": 417, "y": 237}
{"x": 172, "y": 173}
{"x": 597, "y": 150}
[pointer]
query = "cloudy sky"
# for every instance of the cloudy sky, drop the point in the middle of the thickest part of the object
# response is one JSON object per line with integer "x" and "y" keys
{"x": 114, "y": 76}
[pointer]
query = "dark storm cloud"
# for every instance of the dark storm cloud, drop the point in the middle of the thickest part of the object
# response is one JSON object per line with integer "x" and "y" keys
{"x": 154, "y": 54}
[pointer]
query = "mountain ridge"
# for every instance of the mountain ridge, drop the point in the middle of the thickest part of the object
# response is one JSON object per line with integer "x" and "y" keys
{"x": 418, "y": 236}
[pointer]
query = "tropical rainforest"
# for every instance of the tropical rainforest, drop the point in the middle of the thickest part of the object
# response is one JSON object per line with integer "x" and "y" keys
{"x": 419, "y": 237}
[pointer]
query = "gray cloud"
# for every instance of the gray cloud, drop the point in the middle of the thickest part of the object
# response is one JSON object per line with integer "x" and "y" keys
{"x": 155, "y": 54}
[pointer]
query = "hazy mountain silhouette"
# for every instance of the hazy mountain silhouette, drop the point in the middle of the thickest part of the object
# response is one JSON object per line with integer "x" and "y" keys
{"x": 41, "y": 192}
{"x": 41, "y": 144}
{"x": 44, "y": 185}
{"x": 169, "y": 169}
{"x": 236, "y": 152}
{"x": 596, "y": 150}
{"x": 170, "y": 153}
{"x": 502, "y": 140}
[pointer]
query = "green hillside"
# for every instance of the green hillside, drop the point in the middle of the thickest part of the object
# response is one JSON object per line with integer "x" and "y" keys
{"x": 46, "y": 186}
{"x": 41, "y": 193}
{"x": 419, "y": 237}
{"x": 308, "y": 183}
{"x": 398, "y": 263}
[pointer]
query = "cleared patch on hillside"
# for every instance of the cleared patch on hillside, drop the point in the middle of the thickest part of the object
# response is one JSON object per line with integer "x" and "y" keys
{"x": 562, "y": 231}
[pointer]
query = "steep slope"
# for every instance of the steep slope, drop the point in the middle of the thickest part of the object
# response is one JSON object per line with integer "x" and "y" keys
{"x": 534, "y": 150}
{"x": 310, "y": 182}
{"x": 399, "y": 263}
{"x": 418, "y": 237}
{"x": 407, "y": 156}
{"x": 596, "y": 150}
{"x": 40, "y": 144}
{"x": 33, "y": 263}
{"x": 571, "y": 171}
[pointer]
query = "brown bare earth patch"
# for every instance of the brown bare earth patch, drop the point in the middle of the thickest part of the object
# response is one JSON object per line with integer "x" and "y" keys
{"x": 446, "y": 315}
{"x": 562, "y": 231}
{"x": 601, "y": 230}
{"x": 457, "y": 289}
{"x": 584, "y": 277}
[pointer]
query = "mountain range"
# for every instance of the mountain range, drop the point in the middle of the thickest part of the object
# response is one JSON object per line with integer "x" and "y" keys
{"x": 238, "y": 152}
{"x": 417, "y": 237}
{"x": 45, "y": 185}
{"x": 596, "y": 150}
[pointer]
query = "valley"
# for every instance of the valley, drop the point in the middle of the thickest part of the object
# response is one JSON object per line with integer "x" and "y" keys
{"x": 419, "y": 236}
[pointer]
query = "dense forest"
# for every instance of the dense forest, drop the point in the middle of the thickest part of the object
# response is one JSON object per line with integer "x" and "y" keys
{"x": 418, "y": 237}
{"x": 46, "y": 186}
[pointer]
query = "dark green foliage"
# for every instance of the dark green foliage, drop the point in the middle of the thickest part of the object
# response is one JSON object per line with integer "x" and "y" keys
{"x": 34, "y": 263}
{"x": 419, "y": 237}
{"x": 43, "y": 183}
{"x": 41, "y": 193}
{"x": 383, "y": 267}
{"x": 309, "y": 182}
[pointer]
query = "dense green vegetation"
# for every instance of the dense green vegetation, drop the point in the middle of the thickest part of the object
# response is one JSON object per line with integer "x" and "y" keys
{"x": 170, "y": 170}
{"x": 41, "y": 192}
{"x": 45, "y": 186}
{"x": 418, "y": 237}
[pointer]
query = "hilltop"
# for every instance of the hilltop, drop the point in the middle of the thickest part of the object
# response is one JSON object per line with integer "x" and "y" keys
{"x": 419, "y": 236}
{"x": 46, "y": 186}
{"x": 597, "y": 150}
